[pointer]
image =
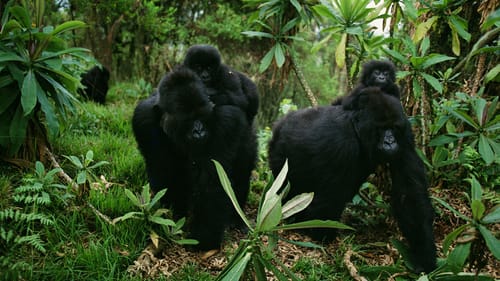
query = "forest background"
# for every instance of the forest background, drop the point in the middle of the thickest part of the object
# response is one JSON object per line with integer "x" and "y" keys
{"x": 299, "y": 53}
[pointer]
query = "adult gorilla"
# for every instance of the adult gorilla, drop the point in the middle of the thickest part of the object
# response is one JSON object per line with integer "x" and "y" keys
{"x": 95, "y": 84}
{"x": 225, "y": 86}
{"x": 331, "y": 151}
{"x": 179, "y": 131}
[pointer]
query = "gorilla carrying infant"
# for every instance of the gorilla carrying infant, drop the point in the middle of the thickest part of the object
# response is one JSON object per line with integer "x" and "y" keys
{"x": 189, "y": 120}
{"x": 203, "y": 110}
{"x": 331, "y": 150}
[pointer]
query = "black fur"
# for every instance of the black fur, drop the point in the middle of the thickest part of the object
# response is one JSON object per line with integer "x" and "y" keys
{"x": 225, "y": 86}
{"x": 179, "y": 131}
{"x": 95, "y": 82}
{"x": 331, "y": 151}
{"x": 380, "y": 73}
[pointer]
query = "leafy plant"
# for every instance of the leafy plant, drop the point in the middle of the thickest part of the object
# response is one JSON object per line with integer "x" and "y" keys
{"x": 471, "y": 137}
{"x": 466, "y": 236}
{"x": 85, "y": 175}
{"x": 253, "y": 251}
{"x": 420, "y": 63}
{"x": 35, "y": 77}
{"x": 21, "y": 224}
{"x": 154, "y": 217}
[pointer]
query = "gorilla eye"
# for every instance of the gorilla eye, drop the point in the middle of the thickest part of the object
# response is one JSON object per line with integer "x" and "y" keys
{"x": 386, "y": 73}
{"x": 376, "y": 72}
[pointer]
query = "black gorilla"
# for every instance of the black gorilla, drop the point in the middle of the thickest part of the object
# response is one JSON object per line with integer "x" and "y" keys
{"x": 225, "y": 86}
{"x": 380, "y": 73}
{"x": 331, "y": 151}
{"x": 95, "y": 82}
{"x": 179, "y": 131}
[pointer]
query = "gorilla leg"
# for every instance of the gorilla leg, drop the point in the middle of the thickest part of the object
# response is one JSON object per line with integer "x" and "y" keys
{"x": 413, "y": 210}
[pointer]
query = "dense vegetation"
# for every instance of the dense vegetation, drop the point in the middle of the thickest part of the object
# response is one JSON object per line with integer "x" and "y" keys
{"x": 73, "y": 200}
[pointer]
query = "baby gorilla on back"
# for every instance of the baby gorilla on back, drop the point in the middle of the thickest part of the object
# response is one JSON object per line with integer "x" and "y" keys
{"x": 179, "y": 131}
{"x": 331, "y": 151}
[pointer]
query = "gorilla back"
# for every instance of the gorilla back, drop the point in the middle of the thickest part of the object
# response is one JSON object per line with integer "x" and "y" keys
{"x": 331, "y": 151}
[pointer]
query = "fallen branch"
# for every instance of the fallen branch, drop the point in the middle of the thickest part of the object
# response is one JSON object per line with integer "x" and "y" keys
{"x": 353, "y": 271}
{"x": 73, "y": 184}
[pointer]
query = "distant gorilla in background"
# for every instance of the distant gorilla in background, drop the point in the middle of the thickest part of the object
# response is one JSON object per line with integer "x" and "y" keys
{"x": 331, "y": 152}
{"x": 179, "y": 131}
{"x": 95, "y": 82}
{"x": 380, "y": 73}
{"x": 225, "y": 86}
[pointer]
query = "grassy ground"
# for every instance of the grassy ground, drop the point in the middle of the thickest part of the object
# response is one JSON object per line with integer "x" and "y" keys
{"x": 78, "y": 244}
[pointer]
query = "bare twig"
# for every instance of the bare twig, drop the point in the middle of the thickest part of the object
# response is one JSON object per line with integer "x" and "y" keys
{"x": 353, "y": 271}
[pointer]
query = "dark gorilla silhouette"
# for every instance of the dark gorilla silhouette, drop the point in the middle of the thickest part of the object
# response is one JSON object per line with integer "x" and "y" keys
{"x": 331, "y": 151}
{"x": 95, "y": 82}
{"x": 225, "y": 86}
{"x": 179, "y": 131}
{"x": 380, "y": 73}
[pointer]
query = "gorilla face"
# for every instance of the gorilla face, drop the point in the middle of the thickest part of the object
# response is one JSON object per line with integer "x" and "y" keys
{"x": 184, "y": 106}
{"x": 205, "y": 60}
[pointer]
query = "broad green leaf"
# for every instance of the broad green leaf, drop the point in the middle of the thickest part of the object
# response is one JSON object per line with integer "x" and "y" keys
{"x": 433, "y": 82}
{"x": 186, "y": 241}
{"x": 266, "y": 61}
{"x": 492, "y": 19}
{"x": 269, "y": 214}
{"x": 127, "y": 216}
{"x": 157, "y": 197}
{"x": 161, "y": 221}
{"x": 478, "y": 209}
{"x": 22, "y": 16}
{"x": 278, "y": 181}
{"x": 433, "y": 59}
{"x": 462, "y": 116}
{"x": 236, "y": 271}
{"x": 456, "y": 259}
{"x": 259, "y": 268}
{"x": 441, "y": 140}
{"x": 132, "y": 198}
{"x": 48, "y": 110}
{"x": 314, "y": 224}
{"x": 226, "y": 184}
{"x": 145, "y": 195}
{"x": 479, "y": 107}
{"x": 340, "y": 51}
{"x": 81, "y": 177}
{"x": 279, "y": 55}
{"x": 28, "y": 93}
{"x": 452, "y": 236}
{"x": 491, "y": 241}
{"x": 289, "y": 25}
{"x": 493, "y": 216}
{"x": 258, "y": 34}
{"x": 459, "y": 24}
{"x": 455, "y": 42}
{"x": 493, "y": 74}
{"x": 397, "y": 56}
{"x": 476, "y": 190}
{"x": 10, "y": 57}
{"x": 485, "y": 150}
{"x": 423, "y": 28}
{"x": 67, "y": 26}
{"x": 75, "y": 161}
{"x": 296, "y": 204}
{"x": 99, "y": 164}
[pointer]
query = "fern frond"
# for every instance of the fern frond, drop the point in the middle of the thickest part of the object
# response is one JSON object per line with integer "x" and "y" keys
{"x": 34, "y": 240}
